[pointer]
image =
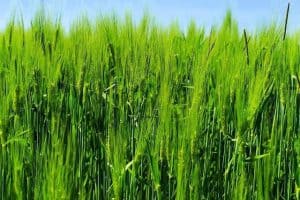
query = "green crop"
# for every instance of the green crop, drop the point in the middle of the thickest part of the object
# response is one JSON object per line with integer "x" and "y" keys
{"x": 118, "y": 110}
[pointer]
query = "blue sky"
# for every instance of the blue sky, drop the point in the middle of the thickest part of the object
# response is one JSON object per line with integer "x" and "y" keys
{"x": 250, "y": 14}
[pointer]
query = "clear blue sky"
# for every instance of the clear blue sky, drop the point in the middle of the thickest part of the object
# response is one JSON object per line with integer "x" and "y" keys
{"x": 250, "y": 14}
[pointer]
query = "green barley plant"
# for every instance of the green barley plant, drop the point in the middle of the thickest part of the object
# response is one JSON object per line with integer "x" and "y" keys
{"x": 115, "y": 109}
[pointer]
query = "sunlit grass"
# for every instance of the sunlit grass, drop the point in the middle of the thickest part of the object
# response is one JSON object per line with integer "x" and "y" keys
{"x": 113, "y": 110}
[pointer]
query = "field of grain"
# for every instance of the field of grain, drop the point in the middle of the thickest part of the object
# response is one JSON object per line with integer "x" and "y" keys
{"x": 118, "y": 110}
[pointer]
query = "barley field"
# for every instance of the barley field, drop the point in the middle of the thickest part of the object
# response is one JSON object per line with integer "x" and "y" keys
{"x": 114, "y": 109}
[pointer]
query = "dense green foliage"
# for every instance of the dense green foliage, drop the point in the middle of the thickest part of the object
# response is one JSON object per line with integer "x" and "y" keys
{"x": 113, "y": 110}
